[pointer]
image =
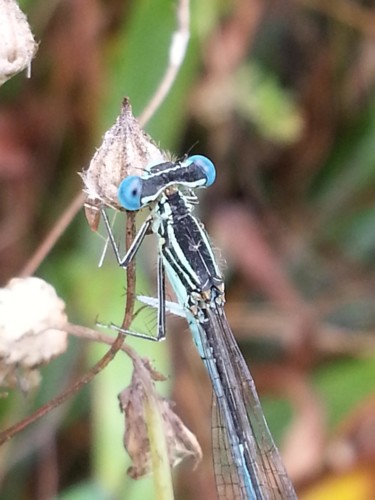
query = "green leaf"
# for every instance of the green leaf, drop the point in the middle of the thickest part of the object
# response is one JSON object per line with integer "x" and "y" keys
{"x": 85, "y": 491}
{"x": 344, "y": 384}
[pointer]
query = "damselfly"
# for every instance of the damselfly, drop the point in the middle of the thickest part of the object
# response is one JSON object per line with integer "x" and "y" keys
{"x": 246, "y": 461}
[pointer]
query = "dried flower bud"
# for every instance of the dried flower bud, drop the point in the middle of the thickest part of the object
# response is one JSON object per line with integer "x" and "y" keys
{"x": 32, "y": 321}
{"x": 17, "y": 44}
{"x": 126, "y": 150}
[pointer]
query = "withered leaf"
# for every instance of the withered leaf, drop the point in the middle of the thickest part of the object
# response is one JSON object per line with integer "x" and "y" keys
{"x": 134, "y": 401}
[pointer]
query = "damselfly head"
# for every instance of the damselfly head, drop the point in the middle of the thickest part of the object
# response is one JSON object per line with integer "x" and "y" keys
{"x": 206, "y": 165}
{"x": 135, "y": 192}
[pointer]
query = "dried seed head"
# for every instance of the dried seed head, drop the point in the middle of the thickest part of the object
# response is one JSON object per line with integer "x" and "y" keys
{"x": 136, "y": 401}
{"x": 32, "y": 321}
{"x": 17, "y": 44}
{"x": 126, "y": 150}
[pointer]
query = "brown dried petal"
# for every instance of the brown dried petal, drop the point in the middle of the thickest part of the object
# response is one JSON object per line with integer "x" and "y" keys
{"x": 92, "y": 213}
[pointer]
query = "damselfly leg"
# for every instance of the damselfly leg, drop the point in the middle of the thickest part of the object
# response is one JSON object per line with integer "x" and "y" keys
{"x": 125, "y": 261}
{"x": 130, "y": 254}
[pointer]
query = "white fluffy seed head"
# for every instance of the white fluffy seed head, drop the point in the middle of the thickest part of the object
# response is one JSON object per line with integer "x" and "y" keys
{"x": 32, "y": 322}
{"x": 17, "y": 44}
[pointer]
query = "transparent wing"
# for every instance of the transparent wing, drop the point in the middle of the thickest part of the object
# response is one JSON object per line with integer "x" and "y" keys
{"x": 231, "y": 470}
{"x": 228, "y": 483}
{"x": 262, "y": 471}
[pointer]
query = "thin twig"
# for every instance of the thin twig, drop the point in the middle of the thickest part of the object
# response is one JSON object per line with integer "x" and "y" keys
{"x": 98, "y": 367}
{"x": 130, "y": 273}
{"x": 65, "y": 395}
{"x": 84, "y": 332}
{"x": 53, "y": 236}
{"x": 177, "y": 51}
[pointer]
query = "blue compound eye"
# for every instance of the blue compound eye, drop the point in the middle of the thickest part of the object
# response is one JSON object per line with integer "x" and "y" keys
{"x": 206, "y": 165}
{"x": 129, "y": 192}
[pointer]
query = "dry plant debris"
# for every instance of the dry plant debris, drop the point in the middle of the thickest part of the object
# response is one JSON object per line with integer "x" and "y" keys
{"x": 17, "y": 46}
{"x": 32, "y": 321}
{"x": 126, "y": 150}
{"x": 137, "y": 402}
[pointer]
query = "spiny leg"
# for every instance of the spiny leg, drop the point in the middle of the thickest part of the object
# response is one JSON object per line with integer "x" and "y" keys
{"x": 125, "y": 261}
{"x": 161, "y": 299}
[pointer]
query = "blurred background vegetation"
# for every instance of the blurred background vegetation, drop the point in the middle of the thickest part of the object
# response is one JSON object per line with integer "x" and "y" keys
{"x": 280, "y": 95}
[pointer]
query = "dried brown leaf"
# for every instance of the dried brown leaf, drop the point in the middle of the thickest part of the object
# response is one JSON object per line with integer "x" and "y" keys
{"x": 133, "y": 402}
